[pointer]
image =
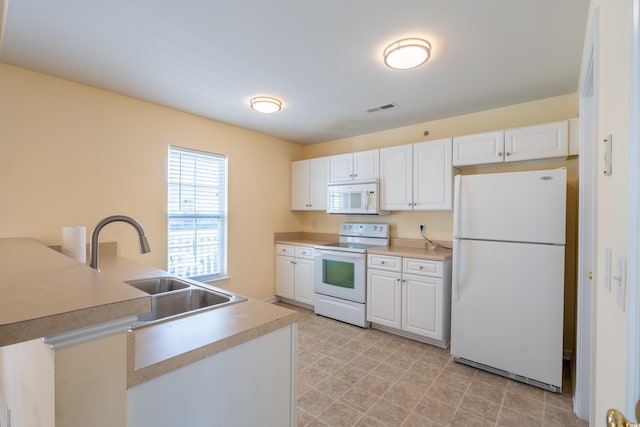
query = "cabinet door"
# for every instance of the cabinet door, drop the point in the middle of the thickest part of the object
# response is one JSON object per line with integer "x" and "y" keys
{"x": 366, "y": 165}
{"x": 285, "y": 276}
{"x": 303, "y": 279}
{"x": 422, "y": 306}
{"x": 432, "y": 175}
{"x": 300, "y": 185}
{"x": 396, "y": 183}
{"x": 318, "y": 179}
{"x": 537, "y": 142}
{"x": 478, "y": 149}
{"x": 341, "y": 167}
{"x": 384, "y": 298}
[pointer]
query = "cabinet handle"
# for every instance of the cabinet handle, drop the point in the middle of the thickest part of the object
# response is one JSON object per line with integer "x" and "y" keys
{"x": 421, "y": 267}
{"x": 409, "y": 204}
{"x": 403, "y": 280}
{"x": 381, "y": 262}
{"x": 398, "y": 279}
{"x": 499, "y": 153}
{"x": 508, "y": 153}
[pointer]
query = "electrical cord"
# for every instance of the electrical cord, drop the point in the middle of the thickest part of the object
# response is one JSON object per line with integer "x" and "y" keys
{"x": 432, "y": 244}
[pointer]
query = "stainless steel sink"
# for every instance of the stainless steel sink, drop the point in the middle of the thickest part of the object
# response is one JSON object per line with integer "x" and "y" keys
{"x": 172, "y": 298}
{"x": 159, "y": 285}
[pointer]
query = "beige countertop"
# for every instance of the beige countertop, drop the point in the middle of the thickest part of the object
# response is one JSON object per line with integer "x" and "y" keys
{"x": 438, "y": 254}
{"x": 44, "y": 293}
{"x": 304, "y": 242}
{"x": 305, "y": 239}
{"x": 414, "y": 248}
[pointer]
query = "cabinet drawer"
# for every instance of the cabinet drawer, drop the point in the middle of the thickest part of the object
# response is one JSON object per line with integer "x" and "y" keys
{"x": 422, "y": 267}
{"x": 385, "y": 262}
{"x": 304, "y": 252}
{"x": 285, "y": 250}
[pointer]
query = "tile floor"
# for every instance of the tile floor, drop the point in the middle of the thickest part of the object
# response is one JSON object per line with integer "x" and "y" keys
{"x": 349, "y": 376}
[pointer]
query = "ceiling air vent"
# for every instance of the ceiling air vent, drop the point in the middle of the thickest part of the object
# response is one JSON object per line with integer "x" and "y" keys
{"x": 381, "y": 107}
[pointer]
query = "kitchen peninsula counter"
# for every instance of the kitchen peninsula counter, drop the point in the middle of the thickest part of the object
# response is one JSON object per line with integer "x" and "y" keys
{"x": 217, "y": 362}
{"x": 45, "y": 292}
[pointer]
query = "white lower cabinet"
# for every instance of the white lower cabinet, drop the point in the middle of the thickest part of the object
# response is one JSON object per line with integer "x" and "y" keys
{"x": 294, "y": 273}
{"x": 410, "y": 296}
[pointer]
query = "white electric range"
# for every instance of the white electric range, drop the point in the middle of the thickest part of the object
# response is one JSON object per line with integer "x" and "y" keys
{"x": 340, "y": 272}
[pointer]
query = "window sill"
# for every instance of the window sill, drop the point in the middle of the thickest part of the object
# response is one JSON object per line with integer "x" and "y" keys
{"x": 216, "y": 281}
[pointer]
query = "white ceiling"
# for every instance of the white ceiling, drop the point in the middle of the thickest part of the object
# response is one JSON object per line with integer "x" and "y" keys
{"x": 323, "y": 58}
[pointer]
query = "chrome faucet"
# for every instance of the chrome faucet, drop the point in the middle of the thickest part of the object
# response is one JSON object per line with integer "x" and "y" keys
{"x": 144, "y": 243}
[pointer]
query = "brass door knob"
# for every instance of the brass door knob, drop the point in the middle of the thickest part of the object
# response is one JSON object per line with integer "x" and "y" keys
{"x": 616, "y": 419}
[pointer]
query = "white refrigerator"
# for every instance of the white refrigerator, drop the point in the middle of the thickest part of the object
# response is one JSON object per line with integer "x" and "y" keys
{"x": 508, "y": 274}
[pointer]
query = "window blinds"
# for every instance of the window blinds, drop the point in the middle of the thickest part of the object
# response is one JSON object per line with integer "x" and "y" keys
{"x": 197, "y": 213}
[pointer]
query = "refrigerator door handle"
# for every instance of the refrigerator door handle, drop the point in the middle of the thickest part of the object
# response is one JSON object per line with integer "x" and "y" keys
{"x": 456, "y": 206}
{"x": 454, "y": 284}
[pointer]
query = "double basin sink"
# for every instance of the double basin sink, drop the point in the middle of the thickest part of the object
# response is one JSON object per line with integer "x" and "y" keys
{"x": 173, "y": 297}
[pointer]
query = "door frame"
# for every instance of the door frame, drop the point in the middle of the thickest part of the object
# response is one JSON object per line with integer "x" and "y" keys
{"x": 582, "y": 399}
{"x": 633, "y": 262}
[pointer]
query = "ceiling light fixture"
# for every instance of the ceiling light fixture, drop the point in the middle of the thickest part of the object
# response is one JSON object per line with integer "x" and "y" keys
{"x": 265, "y": 104}
{"x": 408, "y": 53}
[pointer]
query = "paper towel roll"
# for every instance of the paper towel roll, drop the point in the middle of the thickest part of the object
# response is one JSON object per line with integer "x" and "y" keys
{"x": 74, "y": 243}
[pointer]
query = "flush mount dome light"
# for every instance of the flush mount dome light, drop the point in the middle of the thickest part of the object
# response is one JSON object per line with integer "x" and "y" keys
{"x": 407, "y": 53}
{"x": 265, "y": 104}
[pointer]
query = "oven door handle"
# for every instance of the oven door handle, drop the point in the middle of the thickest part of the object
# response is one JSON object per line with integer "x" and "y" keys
{"x": 320, "y": 252}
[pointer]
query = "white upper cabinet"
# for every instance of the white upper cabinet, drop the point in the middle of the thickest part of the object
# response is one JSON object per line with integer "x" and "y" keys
{"x": 416, "y": 176}
{"x": 432, "y": 175}
{"x": 478, "y": 149}
{"x": 309, "y": 180}
{"x": 537, "y": 142}
{"x": 543, "y": 141}
{"x": 359, "y": 166}
{"x": 396, "y": 178}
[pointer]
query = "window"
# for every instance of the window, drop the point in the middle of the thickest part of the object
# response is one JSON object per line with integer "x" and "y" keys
{"x": 197, "y": 213}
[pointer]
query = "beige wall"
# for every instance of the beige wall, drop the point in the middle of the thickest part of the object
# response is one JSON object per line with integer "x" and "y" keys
{"x": 612, "y": 204}
{"x": 71, "y": 155}
{"x": 439, "y": 224}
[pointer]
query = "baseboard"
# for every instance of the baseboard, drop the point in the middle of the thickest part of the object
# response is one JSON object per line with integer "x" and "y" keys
{"x": 272, "y": 299}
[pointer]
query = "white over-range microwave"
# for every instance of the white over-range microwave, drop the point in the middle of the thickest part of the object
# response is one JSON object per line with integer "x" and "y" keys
{"x": 354, "y": 198}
